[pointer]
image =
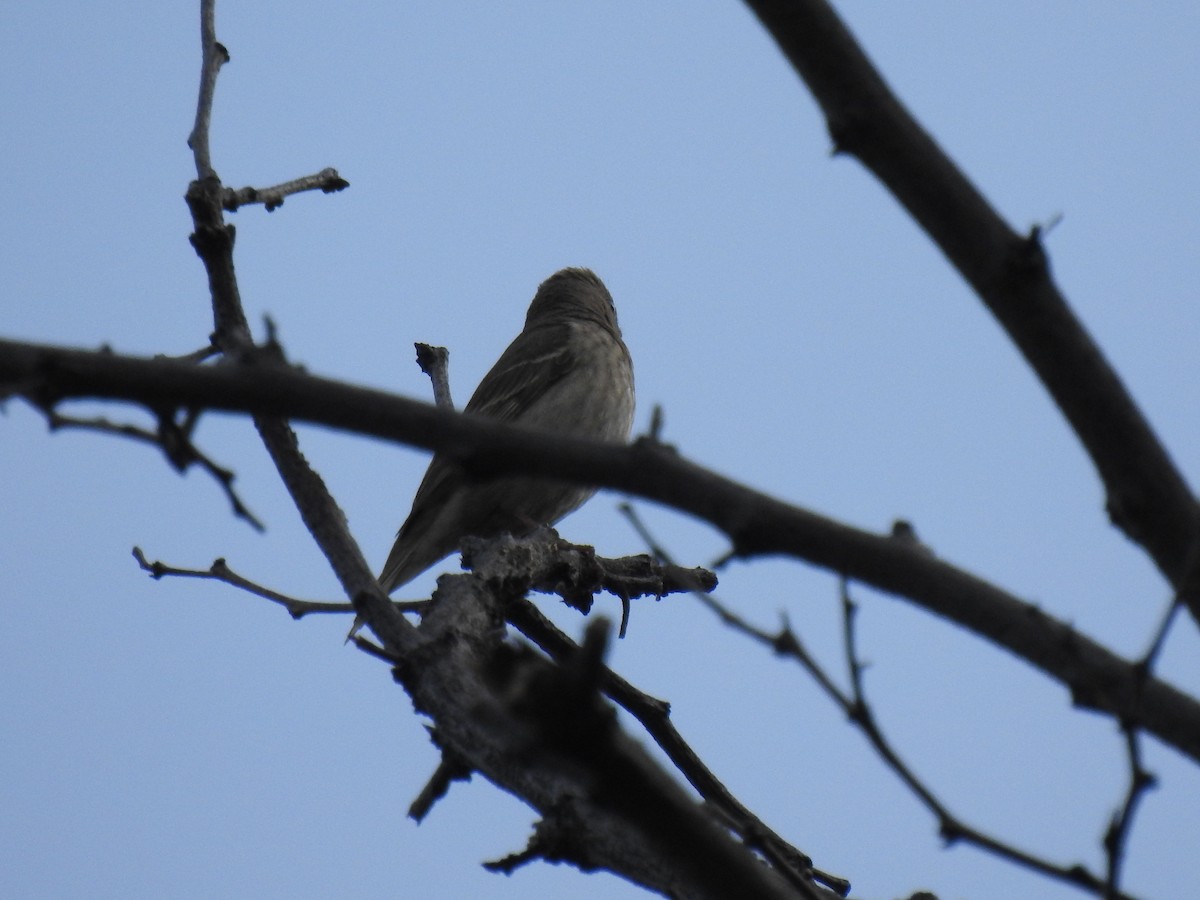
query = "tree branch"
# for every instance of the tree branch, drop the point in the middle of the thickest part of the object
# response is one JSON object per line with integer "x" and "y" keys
{"x": 220, "y": 571}
{"x": 854, "y": 705}
{"x": 757, "y": 524}
{"x": 175, "y": 440}
{"x": 454, "y": 667}
{"x": 1148, "y": 497}
{"x": 1117, "y": 836}
{"x": 328, "y": 181}
{"x": 213, "y": 241}
{"x": 435, "y": 362}
{"x": 538, "y": 729}
{"x": 654, "y": 716}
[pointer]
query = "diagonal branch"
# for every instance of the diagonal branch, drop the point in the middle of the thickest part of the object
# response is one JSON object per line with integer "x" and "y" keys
{"x": 213, "y": 241}
{"x": 220, "y": 571}
{"x": 1148, "y": 497}
{"x": 176, "y": 444}
{"x": 654, "y": 716}
{"x": 951, "y": 827}
{"x": 757, "y": 523}
{"x": 854, "y": 705}
{"x": 488, "y": 726}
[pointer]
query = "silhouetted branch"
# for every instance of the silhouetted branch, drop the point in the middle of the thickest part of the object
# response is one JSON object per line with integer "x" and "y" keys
{"x": 538, "y": 729}
{"x": 213, "y": 241}
{"x": 757, "y": 523}
{"x": 539, "y": 562}
{"x": 450, "y": 769}
{"x": 174, "y": 439}
{"x": 1119, "y": 829}
{"x": 950, "y": 826}
{"x": 1148, "y": 498}
{"x": 856, "y": 708}
{"x": 654, "y": 716}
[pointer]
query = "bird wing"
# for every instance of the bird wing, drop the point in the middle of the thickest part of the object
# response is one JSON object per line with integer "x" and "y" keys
{"x": 533, "y": 363}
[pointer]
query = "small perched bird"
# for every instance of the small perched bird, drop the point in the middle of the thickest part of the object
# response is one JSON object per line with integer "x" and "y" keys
{"x": 569, "y": 372}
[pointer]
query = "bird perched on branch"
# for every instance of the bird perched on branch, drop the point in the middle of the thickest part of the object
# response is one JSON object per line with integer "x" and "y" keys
{"x": 568, "y": 371}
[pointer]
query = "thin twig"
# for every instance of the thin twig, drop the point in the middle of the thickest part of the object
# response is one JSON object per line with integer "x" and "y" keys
{"x": 372, "y": 649}
{"x": 1117, "y": 835}
{"x": 1185, "y": 595}
{"x": 657, "y": 423}
{"x": 327, "y": 181}
{"x": 856, "y": 708}
{"x": 853, "y": 666}
{"x": 175, "y": 443}
{"x": 196, "y": 356}
{"x": 950, "y": 826}
{"x": 213, "y": 241}
{"x": 1158, "y": 641}
{"x": 213, "y": 56}
{"x": 220, "y": 571}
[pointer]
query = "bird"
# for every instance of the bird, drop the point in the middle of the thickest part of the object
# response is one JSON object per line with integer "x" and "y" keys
{"x": 569, "y": 372}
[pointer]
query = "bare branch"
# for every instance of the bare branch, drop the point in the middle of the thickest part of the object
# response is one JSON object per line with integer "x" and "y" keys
{"x": 1148, "y": 497}
{"x": 856, "y": 708}
{"x": 213, "y": 241}
{"x": 175, "y": 443}
{"x": 654, "y": 716}
{"x": 212, "y": 56}
{"x": 538, "y": 729}
{"x": 435, "y": 362}
{"x": 327, "y": 181}
{"x": 758, "y": 524}
{"x": 196, "y": 356}
{"x": 1117, "y": 835}
{"x": 1186, "y": 595}
{"x": 951, "y": 827}
{"x": 542, "y": 561}
{"x": 220, "y": 571}
{"x": 754, "y": 834}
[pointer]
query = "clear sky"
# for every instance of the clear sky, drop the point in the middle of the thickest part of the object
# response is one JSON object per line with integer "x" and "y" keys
{"x": 182, "y": 739}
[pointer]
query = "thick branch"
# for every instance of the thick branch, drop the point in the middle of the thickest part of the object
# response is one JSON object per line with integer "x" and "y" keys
{"x": 654, "y": 716}
{"x": 756, "y": 523}
{"x": 1148, "y": 497}
{"x": 539, "y": 730}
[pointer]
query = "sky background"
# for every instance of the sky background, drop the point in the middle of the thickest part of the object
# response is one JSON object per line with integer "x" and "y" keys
{"x": 183, "y": 739}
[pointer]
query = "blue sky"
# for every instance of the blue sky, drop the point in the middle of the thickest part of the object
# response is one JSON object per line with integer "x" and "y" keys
{"x": 181, "y": 739}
